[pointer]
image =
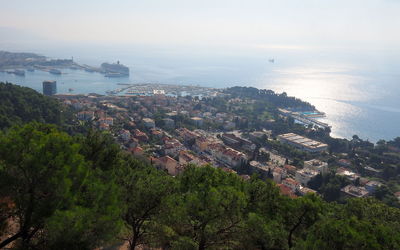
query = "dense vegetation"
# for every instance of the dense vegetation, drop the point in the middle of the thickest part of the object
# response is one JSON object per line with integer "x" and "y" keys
{"x": 82, "y": 192}
{"x": 279, "y": 100}
{"x": 19, "y": 105}
{"x": 59, "y": 191}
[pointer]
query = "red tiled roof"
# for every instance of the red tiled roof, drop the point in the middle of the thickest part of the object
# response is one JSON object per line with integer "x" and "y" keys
{"x": 285, "y": 190}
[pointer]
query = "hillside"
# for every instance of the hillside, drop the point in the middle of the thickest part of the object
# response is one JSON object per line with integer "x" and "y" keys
{"x": 19, "y": 105}
{"x": 59, "y": 191}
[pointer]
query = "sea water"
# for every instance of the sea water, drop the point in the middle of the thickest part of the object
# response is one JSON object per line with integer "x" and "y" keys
{"x": 358, "y": 90}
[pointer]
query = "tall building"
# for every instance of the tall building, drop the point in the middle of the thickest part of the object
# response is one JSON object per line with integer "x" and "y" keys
{"x": 49, "y": 87}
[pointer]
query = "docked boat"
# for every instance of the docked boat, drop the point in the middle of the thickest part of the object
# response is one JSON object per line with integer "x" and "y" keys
{"x": 115, "y": 74}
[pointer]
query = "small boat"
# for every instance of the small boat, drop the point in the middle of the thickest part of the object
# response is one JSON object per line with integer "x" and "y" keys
{"x": 89, "y": 70}
{"x": 19, "y": 72}
{"x": 55, "y": 71}
{"x": 70, "y": 89}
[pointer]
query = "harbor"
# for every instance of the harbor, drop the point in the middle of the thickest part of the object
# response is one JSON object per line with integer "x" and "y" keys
{"x": 165, "y": 89}
{"x": 306, "y": 117}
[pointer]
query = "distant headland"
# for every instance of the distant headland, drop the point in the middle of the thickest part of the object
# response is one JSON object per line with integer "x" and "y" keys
{"x": 18, "y": 63}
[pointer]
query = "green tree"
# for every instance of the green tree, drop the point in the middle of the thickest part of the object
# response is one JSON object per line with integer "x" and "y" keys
{"x": 144, "y": 189}
{"x": 56, "y": 199}
{"x": 360, "y": 224}
{"x": 100, "y": 149}
{"x": 42, "y": 172}
{"x": 207, "y": 210}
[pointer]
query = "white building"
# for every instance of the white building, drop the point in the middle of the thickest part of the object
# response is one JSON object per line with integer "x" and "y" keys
{"x": 317, "y": 165}
{"x": 303, "y": 143}
{"x": 305, "y": 175}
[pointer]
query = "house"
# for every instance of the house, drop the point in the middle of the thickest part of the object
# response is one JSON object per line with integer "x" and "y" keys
{"x": 186, "y": 135}
{"x": 86, "y": 115}
{"x": 104, "y": 126}
{"x": 172, "y": 147}
{"x": 305, "y": 175}
{"x": 148, "y": 123}
{"x": 156, "y": 133}
{"x": 353, "y": 191}
{"x": 226, "y": 155}
{"x": 290, "y": 169}
{"x": 397, "y": 194}
{"x": 167, "y": 163}
{"x": 347, "y": 173}
{"x": 201, "y": 144}
{"x": 260, "y": 168}
{"x": 141, "y": 136}
{"x": 137, "y": 151}
{"x": 125, "y": 135}
{"x": 197, "y": 121}
{"x": 169, "y": 123}
{"x": 371, "y": 186}
{"x": 305, "y": 190}
{"x": 279, "y": 174}
{"x": 260, "y": 135}
{"x": 317, "y": 165}
{"x": 370, "y": 171}
{"x": 287, "y": 191}
{"x": 185, "y": 157}
{"x": 344, "y": 163}
{"x": 237, "y": 142}
{"x": 108, "y": 120}
{"x": 292, "y": 184}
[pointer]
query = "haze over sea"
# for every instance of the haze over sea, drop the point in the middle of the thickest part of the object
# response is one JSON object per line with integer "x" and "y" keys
{"x": 357, "y": 89}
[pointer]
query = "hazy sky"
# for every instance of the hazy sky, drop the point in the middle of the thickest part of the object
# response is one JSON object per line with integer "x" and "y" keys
{"x": 258, "y": 23}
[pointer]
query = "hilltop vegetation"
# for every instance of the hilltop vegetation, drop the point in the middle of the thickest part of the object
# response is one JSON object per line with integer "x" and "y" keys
{"x": 59, "y": 191}
{"x": 61, "y": 197}
{"x": 19, "y": 105}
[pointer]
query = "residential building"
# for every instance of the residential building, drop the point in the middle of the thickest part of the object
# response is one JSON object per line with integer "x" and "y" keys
{"x": 141, "y": 136}
{"x": 172, "y": 147}
{"x": 305, "y": 175}
{"x": 287, "y": 191}
{"x": 317, "y": 165}
{"x": 185, "y": 157}
{"x": 292, "y": 184}
{"x": 169, "y": 164}
{"x": 371, "y": 186}
{"x": 125, "y": 135}
{"x": 290, "y": 169}
{"x": 353, "y": 191}
{"x": 169, "y": 123}
{"x": 279, "y": 174}
{"x": 347, "y": 173}
{"x": 306, "y": 190}
{"x": 149, "y": 123}
{"x": 238, "y": 142}
{"x": 197, "y": 121}
{"x": 86, "y": 115}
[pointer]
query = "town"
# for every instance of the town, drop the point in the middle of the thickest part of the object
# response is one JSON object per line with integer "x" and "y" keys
{"x": 171, "y": 132}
